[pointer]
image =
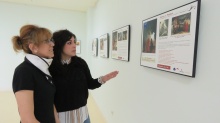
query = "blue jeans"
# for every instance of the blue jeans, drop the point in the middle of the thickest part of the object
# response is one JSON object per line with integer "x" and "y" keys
{"x": 87, "y": 120}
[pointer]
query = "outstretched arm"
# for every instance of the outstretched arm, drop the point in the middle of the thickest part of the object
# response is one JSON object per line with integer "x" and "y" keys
{"x": 108, "y": 76}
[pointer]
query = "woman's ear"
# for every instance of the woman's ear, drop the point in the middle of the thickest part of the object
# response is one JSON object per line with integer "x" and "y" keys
{"x": 33, "y": 48}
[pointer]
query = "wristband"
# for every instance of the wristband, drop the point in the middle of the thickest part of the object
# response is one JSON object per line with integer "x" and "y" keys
{"x": 100, "y": 80}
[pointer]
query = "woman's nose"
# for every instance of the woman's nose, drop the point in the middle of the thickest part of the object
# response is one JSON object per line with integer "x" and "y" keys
{"x": 52, "y": 43}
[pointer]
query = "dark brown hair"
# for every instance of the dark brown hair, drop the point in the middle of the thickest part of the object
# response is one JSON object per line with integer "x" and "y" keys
{"x": 60, "y": 38}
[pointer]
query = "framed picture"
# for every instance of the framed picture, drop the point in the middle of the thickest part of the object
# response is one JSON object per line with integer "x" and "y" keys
{"x": 121, "y": 43}
{"x": 104, "y": 46}
{"x": 95, "y": 47}
{"x": 78, "y": 46}
{"x": 169, "y": 40}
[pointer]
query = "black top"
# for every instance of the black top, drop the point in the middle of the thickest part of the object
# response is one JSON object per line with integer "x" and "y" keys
{"x": 29, "y": 77}
{"x": 72, "y": 82}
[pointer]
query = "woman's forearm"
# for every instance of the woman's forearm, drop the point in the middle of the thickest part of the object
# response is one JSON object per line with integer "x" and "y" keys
{"x": 56, "y": 115}
{"x": 25, "y": 103}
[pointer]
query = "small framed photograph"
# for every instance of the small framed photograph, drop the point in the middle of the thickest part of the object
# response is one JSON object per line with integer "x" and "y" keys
{"x": 78, "y": 47}
{"x": 95, "y": 47}
{"x": 104, "y": 46}
{"x": 121, "y": 43}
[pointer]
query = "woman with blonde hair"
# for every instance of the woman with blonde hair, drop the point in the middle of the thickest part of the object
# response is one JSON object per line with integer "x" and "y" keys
{"x": 32, "y": 83}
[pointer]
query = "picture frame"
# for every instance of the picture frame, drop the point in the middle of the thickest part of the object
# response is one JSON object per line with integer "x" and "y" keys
{"x": 78, "y": 47}
{"x": 121, "y": 43}
{"x": 95, "y": 47}
{"x": 104, "y": 46}
{"x": 169, "y": 40}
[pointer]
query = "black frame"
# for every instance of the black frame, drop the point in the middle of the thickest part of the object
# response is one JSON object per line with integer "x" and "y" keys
{"x": 120, "y": 35}
{"x": 182, "y": 25}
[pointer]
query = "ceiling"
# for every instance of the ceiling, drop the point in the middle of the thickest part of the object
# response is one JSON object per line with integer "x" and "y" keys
{"x": 76, "y": 5}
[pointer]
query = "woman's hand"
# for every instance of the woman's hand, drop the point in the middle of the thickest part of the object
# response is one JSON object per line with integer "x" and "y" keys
{"x": 109, "y": 76}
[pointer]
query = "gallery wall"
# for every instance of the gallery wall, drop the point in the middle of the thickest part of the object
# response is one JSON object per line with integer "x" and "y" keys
{"x": 144, "y": 95}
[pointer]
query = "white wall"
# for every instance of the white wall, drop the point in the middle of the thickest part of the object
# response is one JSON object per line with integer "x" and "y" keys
{"x": 144, "y": 95}
{"x": 13, "y": 16}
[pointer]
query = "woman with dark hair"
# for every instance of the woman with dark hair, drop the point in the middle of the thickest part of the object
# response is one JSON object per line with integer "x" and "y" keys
{"x": 32, "y": 83}
{"x": 72, "y": 78}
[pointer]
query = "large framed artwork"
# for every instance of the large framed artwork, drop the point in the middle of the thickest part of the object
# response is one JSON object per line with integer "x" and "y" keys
{"x": 170, "y": 39}
{"x": 104, "y": 46}
{"x": 121, "y": 43}
{"x": 95, "y": 47}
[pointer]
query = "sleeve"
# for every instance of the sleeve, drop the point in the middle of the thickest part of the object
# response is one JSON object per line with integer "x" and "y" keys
{"x": 22, "y": 80}
{"x": 92, "y": 83}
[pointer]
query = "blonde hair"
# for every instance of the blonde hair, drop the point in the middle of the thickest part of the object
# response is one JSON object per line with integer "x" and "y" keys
{"x": 30, "y": 34}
